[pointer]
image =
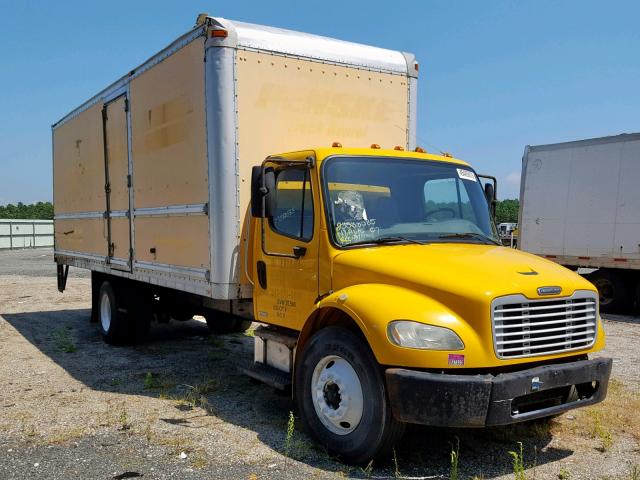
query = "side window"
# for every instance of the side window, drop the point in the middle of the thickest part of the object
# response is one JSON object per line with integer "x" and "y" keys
{"x": 446, "y": 199}
{"x": 293, "y": 214}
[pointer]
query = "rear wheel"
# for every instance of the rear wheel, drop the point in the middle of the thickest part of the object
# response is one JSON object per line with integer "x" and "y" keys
{"x": 112, "y": 314}
{"x": 612, "y": 289}
{"x": 221, "y": 322}
{"x": 337, "y": 372}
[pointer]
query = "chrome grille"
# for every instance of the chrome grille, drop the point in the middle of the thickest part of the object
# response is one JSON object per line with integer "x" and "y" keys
{"x": 527, "y": 328}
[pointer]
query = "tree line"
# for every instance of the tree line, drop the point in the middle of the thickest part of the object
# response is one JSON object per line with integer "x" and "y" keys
{"x": 506, "y": 211}
{"x": 34, "y": 211}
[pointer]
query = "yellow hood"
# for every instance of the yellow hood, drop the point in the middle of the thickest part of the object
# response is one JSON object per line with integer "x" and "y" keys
{"x": 449, "y": 272}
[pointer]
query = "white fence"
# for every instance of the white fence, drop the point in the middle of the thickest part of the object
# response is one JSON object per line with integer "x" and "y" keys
{"x": 25, "y": 233}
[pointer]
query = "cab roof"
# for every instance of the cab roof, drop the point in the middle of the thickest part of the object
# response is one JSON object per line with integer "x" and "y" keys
{"x": 321, "y": 153}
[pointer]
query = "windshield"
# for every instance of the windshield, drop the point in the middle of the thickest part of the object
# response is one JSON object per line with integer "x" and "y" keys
{"x": 386, "y": 200}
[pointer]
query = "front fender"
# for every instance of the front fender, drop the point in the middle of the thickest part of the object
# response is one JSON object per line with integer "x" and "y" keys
{"x": 373, "y": 306}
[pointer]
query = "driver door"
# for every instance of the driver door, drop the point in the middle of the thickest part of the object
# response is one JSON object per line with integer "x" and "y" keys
{"x": 286, "y": 287}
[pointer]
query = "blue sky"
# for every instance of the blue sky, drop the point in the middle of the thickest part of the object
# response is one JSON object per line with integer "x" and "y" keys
{"x": 495, "y": 76}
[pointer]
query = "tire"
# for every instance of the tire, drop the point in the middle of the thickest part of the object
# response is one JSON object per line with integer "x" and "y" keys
{"x": 112, "y": 314}
{"x": 140, "y": 316}
{"x": 613, "y": 291}
{"x": 222, "y": 323}
{"x": 181, "y": 316}
{"x": 364, "y": 430}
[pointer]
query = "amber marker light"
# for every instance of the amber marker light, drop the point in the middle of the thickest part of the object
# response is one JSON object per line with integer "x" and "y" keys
{"x": 336, "y": 145}
{"x": 376, "y": 146}
{"x": 420, "y": 150}
{"x": 398, "y": 147}
{"x": 219, "y": 33}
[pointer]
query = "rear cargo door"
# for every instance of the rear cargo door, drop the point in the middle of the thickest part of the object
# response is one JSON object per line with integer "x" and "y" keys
{"x": 117, "y": 182}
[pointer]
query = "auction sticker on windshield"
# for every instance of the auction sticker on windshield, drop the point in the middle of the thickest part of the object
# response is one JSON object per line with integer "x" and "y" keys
{"x": 466, "y": 174}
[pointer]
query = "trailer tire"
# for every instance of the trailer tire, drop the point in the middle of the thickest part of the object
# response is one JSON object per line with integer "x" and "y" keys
{"x": 113, "y": 316}
{"x": 320, "y": 403}
{"x": 613, "y": 292}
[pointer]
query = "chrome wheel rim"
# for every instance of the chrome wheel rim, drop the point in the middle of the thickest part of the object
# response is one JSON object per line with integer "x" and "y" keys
{"x": 336, "y": 393}
{"x": 105, "y": 313}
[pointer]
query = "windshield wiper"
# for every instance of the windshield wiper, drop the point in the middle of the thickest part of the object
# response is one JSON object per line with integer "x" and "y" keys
{"x": 381, "y": 240}
{"x": 470, "y": 235}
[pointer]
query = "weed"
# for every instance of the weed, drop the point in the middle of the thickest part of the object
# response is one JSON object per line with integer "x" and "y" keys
{"x": 150, "y": 381}
{"x": 598, "y": 431}
{"x": 634, "y": 474}
{"x": 290, "y": 431}
{"x": 518, "y": 464}
{"x": 564, "y": 474}
{"x": 396, "y": 470}
{"x": 455, "y": 457}
{"x": 114, "y": 382}
{"x": 63, "y": 341}
{"x": 195, "y": 395}
{"x": 123, "y": 421}
{"x": 368, "y": 470}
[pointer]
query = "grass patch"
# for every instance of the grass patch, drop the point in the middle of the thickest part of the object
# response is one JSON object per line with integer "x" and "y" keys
{"x": 291, "y": 428}
{"x": 564, "y": 474}
{"x": 216, "y": 355}
{"x": 518, "y": 463}
{"x": 455, "y": 457}
{"x": 63, "y": 340}
{"x": 193, "y": 395}
{"x": 615, "y": 416}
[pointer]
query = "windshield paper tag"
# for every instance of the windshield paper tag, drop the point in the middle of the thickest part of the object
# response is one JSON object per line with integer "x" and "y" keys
{"x": 466, "y": 174}
{"x": 456, "y": 360}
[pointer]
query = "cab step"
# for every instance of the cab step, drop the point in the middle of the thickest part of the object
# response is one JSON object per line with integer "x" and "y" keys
{"x": 274, "y": 349}
{"x": 270, "y": 375}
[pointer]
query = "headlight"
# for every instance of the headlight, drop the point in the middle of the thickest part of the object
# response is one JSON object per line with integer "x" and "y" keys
{"x": 406, "y": 333}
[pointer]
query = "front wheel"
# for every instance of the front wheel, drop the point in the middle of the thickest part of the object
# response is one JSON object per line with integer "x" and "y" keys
{"x": 342, "y": 399}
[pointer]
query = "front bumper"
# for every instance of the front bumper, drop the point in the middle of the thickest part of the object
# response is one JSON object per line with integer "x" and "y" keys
{"x": 449, "y": 400}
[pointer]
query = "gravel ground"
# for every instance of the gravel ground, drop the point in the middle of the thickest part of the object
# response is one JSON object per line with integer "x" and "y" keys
{"x": 177, "y": 407}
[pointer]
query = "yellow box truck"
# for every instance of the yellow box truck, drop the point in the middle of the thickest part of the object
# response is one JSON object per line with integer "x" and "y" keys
{"x": 384, "y": 295}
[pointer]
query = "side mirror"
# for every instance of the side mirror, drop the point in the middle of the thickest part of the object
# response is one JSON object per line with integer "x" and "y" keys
{"x": 490, "y": 193}
{"x": 263, "y": 189}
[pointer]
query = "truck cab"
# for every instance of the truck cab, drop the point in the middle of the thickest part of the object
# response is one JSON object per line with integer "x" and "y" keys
{"x": 390, "y": 300}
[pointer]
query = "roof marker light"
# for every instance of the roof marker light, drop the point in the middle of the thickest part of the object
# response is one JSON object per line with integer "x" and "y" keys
{"x": 376, "y": 146}
{"x": 336, "y": 145}
{"x": 219, "y": 33}
{"x": 420, "y": 150}
{"x": 447, "y": 154}
{"x": 398, "y": 147}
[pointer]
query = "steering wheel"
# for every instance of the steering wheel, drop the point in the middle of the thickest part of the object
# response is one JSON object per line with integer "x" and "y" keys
{"x": 438, "y": 210}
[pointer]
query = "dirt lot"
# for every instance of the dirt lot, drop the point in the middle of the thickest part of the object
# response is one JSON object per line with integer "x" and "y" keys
{"x": 177, "y": 407}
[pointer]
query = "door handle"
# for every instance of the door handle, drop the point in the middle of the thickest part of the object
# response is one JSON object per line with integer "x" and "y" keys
{"x": 261, "y": 267}
{"x": 299, "y": 251}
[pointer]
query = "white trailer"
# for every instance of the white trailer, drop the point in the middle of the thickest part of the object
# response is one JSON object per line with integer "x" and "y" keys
{"x": 25, "y": 233}
{"x": 580, "y": 207}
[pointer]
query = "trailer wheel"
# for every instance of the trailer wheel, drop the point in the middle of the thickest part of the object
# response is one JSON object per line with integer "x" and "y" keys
{"x": 341, "y": 397}
{"x": 221, "y": 323}
{"x": 112, "y": 314}
{"x": 613, "y": 292}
